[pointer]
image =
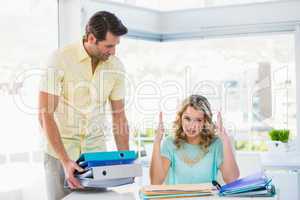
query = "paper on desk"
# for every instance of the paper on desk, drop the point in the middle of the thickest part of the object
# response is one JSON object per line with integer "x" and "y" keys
{"x": 176, "y": 189}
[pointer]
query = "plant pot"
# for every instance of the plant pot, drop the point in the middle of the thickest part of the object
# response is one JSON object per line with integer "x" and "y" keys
{"x": 277, "y": 146}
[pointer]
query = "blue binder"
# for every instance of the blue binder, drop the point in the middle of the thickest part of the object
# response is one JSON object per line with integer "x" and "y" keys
{"x": 92, "y": 159}
{"x": 90, "y": 164}
{"x": 256, "y": 185}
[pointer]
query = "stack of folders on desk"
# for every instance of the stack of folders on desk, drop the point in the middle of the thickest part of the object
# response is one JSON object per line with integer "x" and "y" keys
{"x": 175, "y": 191}
{"x": 256, "y": 185}
{"x": 108, "y": 169}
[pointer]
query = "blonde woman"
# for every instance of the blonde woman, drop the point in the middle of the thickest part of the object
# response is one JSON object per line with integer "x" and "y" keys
{"x": 198, "y": 149}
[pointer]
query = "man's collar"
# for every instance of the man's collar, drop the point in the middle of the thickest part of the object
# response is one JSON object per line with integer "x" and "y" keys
{"x": 82, "y": 54}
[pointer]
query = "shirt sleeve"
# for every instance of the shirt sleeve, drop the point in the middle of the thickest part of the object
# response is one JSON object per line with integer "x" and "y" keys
{"x": 52, "y": 78}
{"x": 118, "y": 91}
{"x": 167, "y": 149}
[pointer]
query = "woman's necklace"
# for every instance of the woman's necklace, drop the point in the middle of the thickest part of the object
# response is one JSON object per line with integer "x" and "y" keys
{"x": 190, "y": 161}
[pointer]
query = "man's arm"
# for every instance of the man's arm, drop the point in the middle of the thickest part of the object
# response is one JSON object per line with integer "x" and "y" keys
{"x": 47, "y": 105}
{"x": 120, "y": 125}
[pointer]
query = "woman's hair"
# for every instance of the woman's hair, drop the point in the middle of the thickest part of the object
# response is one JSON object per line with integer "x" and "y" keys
{"x": 207, "y": 134}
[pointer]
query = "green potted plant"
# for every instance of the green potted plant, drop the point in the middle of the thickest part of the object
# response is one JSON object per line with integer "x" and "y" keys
{"x": 279, "y": 139}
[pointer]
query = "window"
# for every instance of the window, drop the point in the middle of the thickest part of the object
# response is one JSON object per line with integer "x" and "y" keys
{"x": 28, "y": 35}
{"x": 250, "y": 79}
{"x": 189, "y": 4}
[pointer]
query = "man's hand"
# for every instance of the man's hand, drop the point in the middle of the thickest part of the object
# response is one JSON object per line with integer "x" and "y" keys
{"x": 69, "y": 168}
{"x": 47, "y": 106}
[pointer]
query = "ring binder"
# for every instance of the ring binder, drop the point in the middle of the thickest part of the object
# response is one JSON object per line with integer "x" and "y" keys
{"x": 255, "y": 185}
{"x": 106, "y": 169}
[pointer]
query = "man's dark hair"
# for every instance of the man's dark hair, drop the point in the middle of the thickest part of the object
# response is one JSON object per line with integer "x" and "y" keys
{"x": 102, "y": 22}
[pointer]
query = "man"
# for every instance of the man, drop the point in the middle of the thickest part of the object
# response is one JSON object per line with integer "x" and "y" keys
{"x": 80, "y": 79}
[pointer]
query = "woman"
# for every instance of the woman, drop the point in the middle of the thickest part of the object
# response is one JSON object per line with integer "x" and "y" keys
{"x": 198, "y": 150}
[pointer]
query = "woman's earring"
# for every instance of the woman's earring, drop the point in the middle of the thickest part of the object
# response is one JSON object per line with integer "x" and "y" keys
{"x": 204, "y": 130}
{"x": 182, "y": 134}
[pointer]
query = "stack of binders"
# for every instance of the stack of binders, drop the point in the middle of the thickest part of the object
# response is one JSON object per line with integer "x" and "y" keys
{"x": 108, "y": 169}
{"x": 255, "y": 185}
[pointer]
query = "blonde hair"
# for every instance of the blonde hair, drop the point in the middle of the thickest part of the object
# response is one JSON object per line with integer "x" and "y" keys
{"x": 207, "y": 134}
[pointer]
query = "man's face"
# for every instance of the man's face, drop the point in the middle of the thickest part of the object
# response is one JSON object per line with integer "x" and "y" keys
{"x": 105, "y": 48}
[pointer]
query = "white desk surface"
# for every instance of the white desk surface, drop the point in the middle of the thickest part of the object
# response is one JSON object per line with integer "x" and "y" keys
{"x": 130, "y": 192}
{"x": 280, "y": 160}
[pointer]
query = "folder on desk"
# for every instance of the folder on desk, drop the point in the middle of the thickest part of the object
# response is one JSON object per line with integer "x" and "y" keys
{"x": 256, "y": 185}
{"x": 175, "y": 191}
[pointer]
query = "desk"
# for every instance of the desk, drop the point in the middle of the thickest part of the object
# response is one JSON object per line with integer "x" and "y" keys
{"x": 284, "y": 169}
{"x": 281, "y": 161}
{"x": 130, "y": 192}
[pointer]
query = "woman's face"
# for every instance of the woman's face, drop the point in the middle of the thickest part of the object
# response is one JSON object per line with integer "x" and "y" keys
{"x": 192, "y": 122}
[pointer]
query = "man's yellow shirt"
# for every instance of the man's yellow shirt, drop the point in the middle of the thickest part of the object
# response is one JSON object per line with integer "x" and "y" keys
{"x": 80, "y": 114}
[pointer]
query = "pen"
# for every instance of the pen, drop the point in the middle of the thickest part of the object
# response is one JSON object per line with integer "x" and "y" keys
{"x": 216, "y": 184}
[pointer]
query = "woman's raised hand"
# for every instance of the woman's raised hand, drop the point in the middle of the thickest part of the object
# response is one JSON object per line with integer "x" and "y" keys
{"x": 220, "y": 128}
{"x": 159, "y": 133}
